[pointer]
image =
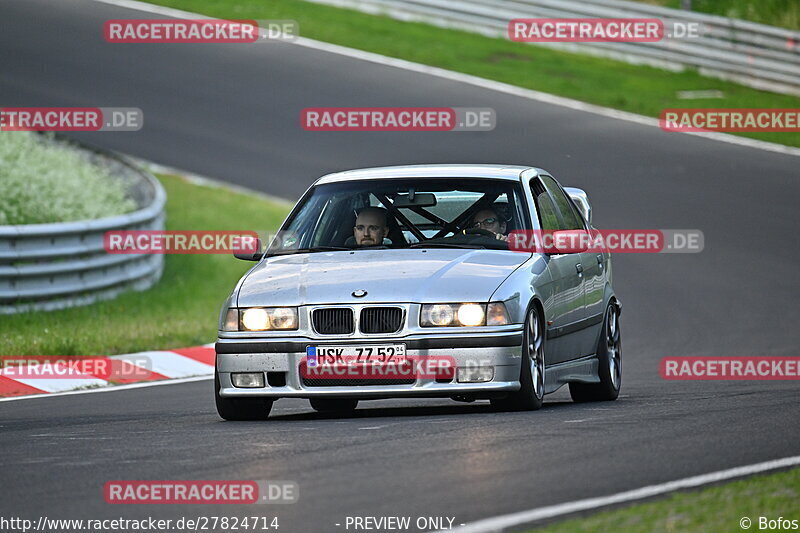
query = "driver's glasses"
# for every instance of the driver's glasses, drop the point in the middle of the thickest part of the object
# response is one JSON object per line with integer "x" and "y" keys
{"x": 484, "y": 222}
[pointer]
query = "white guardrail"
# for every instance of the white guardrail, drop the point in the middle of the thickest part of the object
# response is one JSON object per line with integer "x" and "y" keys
{"x": 53, "y": 266}
{"x": 757, "y": 55}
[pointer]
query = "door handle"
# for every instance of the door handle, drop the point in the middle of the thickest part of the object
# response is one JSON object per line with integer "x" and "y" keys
{"x": 579, "y": 268}
{"x": 600, "y": 260}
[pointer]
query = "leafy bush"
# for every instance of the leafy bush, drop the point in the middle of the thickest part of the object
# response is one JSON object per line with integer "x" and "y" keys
{"x": 43, "y": 182}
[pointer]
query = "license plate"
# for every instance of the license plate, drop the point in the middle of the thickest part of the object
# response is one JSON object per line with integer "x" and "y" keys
{"x": 374, "y": 354}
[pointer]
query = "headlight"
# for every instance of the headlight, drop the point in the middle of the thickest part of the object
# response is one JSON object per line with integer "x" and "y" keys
{"x": 284, "y": 318}
{"x": 231, "y": 320}
{"x": 496, "y": 314}
{"x": 447, "y": 315}
{"x": 255, "y": 319}
{"x": 466, "y": 314}
{"x": 471, "y": 314}
{"x": 261, "y": 319}
{"x": 438, "y": 315}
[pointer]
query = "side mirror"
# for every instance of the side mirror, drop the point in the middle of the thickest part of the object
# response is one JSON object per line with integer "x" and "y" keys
{"x": 250, "y": 255}
{"x": 581, "y": 200}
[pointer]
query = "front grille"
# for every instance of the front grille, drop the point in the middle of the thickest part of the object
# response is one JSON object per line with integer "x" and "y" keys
{"x": 333, "y": 321}
{"x": 329, "y": 382}
{"x": 312, "y": 378}
{"x": 381, "y": 320}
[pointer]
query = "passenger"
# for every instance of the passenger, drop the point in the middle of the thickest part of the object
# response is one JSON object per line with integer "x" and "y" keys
{"x": 489, "y": 219}
{"x": 371, "y": 226}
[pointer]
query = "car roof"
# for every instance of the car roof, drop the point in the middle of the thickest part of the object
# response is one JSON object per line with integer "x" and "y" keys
{"x": 500, "y": 172}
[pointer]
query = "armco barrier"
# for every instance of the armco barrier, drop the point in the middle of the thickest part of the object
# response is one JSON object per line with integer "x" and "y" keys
{"x": 757, "y": 55}
{"x": 52, "y": 266}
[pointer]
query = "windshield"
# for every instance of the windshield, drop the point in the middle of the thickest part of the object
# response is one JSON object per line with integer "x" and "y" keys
{"x": 404, "y": 213}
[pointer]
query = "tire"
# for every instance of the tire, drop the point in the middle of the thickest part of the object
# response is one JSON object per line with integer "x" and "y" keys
{"x": 609, "y": 354}
{"x": 241, "y": 408}
{"x": 334, "y": 405}
{"x": 530, "y": 396}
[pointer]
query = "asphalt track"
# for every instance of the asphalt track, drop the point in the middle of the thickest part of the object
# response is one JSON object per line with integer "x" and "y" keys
{"x": 232, "y": 112}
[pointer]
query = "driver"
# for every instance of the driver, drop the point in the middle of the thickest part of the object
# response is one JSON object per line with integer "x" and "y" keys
{"x": 371, "y": 226}
{"x": 489, "y": 219}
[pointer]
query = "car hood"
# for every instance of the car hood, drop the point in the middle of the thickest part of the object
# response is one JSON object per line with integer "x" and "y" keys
{"x": 418, "y": 275}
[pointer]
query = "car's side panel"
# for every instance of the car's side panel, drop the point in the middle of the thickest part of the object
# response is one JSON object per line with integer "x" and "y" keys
{"x": 565, "y": 313}
{"x": 518, "y": 290}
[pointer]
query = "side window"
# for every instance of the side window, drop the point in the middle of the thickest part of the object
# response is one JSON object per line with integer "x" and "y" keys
{"x": 569, "y": 216}
{"x": 548, "y": 219}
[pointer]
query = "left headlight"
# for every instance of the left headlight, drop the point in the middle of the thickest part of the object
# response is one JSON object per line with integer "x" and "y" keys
{"x": 463, "y": 314}
{"x": 261, "y": 319}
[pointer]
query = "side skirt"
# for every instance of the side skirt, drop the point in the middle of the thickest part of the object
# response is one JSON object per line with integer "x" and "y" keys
{"x": 583, "y": 370}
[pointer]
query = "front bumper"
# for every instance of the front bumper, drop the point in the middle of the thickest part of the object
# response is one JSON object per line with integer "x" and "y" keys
{"x": 280, "y": 360}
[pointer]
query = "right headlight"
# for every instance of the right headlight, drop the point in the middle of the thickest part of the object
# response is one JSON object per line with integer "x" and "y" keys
{"x": 463, "y": 314}
{"x": 261, "y": 319}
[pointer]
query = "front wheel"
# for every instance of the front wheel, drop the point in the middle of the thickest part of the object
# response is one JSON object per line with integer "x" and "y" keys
{"x": 241, "y": 408}
{"x": 609, "y": 355}
{"x": 530, "y": 395}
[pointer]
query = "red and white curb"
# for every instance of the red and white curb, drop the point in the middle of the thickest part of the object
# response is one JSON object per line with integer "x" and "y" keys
{"x": 194, "y": 362}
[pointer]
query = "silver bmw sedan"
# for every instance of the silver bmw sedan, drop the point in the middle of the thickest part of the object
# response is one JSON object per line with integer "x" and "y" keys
{"x": 423, "y": 281}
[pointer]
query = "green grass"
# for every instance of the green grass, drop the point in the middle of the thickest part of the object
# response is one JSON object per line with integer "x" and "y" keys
{"x": 43, "y": 182}
{"x": 782, "y": 13}
{"x": 711, "y": 510}
{"x": 181, "y": 310}
{"x": 638, "y": 89}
